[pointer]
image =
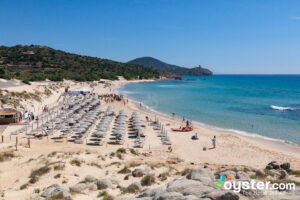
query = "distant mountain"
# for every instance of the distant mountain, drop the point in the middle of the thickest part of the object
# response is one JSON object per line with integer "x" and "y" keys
{"x": 36, "y": 63}
{"x": 174, "y": 69}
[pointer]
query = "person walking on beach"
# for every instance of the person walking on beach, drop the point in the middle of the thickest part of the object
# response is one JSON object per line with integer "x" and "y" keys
{"x": 183, "y": 119}
{"x": 214, "y": 141}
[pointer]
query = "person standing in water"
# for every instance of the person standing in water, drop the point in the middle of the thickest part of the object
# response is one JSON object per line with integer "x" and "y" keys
{"x": 214, "y": 142}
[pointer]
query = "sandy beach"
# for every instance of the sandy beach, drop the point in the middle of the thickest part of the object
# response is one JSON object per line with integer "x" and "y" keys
{"x": 232, "y": 150}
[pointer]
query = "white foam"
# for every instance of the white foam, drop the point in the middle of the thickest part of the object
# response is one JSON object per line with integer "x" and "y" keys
{"x": 167, "y": 86}
{"x": 282, "y": 108}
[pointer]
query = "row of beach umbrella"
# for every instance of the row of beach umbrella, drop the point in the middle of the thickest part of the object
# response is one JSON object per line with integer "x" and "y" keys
{"x": 136, "y": 125}
{"x": 119, "y": 130}
{"x": 163, "y": 133}
{"x": 103, "y": 126}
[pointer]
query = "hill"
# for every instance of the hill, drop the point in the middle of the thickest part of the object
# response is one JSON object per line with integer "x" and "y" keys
{"x": 36, "y": 63}
{"x": 149, "y": 61}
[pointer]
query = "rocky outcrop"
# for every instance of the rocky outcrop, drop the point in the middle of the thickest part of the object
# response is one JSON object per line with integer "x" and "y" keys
{"x": 151, "y": 192}
{"x": 242, "y": 175}
{"x": 280, "y": 171}
{"x": 285, "y": 166}
{"x": 137, "y": 173}
{"x": 230, "y": 173}
{"x": 201, "y": 174}
{"x": 284, "y": 175}
{"x": 274, "y": 172}
{"x": 90, "y": 178}
{"x": 54, "y": 191}
{"x": 104, "y": 183}
{"x": 167, "y": 196}
{"x": 114, "y": 181}
{"x": 187, "y": 189}
{"x": 137, "y": 184}
{"x": 260, "y": 173}
{"x": 141, "y": 172}
{"x": 200, "y": 184}
{"x": 273, "y": 165}
{"x": 80, "y": 187}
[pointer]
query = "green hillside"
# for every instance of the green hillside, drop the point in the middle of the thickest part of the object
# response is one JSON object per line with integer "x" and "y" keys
{"x": 149, "y": 61}
{"x": 36, "y": 63}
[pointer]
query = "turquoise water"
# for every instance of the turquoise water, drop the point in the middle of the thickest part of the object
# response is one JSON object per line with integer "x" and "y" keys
{"x": 268, "y": 105}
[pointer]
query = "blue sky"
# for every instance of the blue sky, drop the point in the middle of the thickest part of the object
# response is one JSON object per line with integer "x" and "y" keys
{"x": 227, "y": 36}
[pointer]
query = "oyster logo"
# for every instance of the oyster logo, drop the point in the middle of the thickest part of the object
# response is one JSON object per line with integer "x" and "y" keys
{"x": 223, "y": 180}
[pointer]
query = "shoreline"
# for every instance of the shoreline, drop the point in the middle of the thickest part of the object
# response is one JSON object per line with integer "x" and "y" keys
{"x": 283, "y": 145}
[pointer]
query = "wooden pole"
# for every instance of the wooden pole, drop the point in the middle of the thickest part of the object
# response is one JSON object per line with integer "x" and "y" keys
{"x": 16, "y": 143}
{"x": 29, "y": 142}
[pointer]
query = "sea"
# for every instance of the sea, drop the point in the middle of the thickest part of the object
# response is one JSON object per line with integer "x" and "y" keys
{"x": 258, "y": 105}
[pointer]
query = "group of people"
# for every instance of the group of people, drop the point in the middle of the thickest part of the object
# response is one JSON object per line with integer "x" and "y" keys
{"x": 45, "y": 108}
{"x": 29, "y": 116}
{"x": 110, "y": 98}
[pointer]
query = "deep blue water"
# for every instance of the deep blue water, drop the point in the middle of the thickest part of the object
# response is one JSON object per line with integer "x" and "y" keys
{"x": 230, "y": 101}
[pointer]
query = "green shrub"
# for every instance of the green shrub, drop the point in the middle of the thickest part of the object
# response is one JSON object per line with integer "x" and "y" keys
{"x": 6, "y": 155}
{"x": 24, "y": 186}
{"x": 134, "y": 164}
{"x": 40, "y": 171}
{"x": 130, "y": 189}
{"x": 57, "y": 196}
{"x": 121, "y": 150}
{"x": 120, "y": 156}
{"x": 26, "y": 81}
{"x": 57, "y": 176}
{"x": 295, "y": 172}
{"x": 33, "y": 179}
{"x": 125, "y": 170}
{"x": 76, "y": 162}
{"x": 185, "y": 172}
{"x": 59, "y": 167}
{"x": 148, "y": 180}
{"x": 37, "y": 190}
{"x": 163, "y": 176}
{"x": 112, "y": 154}
{"x": 133, "y": 151}
{"x": 105, "y": 196}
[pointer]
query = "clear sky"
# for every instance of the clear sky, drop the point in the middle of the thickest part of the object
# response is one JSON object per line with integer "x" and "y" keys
{"x": 227, "y": 36}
